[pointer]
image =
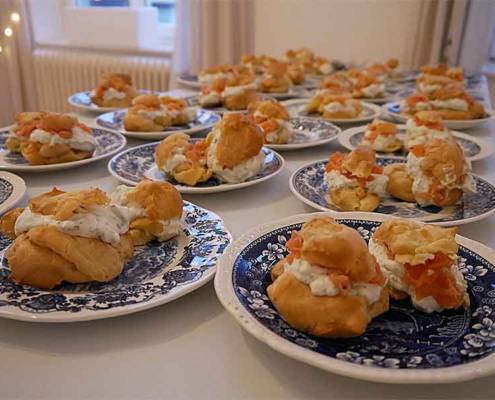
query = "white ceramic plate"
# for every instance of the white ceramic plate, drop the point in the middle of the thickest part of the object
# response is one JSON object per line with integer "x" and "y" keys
{"x": 297, "y": 108}
{"x": 114, "y": 121}
{"x": 393, "y": 111}
{"x": 158, "y": 273}
{"x": 82, "y": 101}
{"x": 108, "y": 143}
{"x": 308, "y": 132}
{"x": 308, "y": 185}
{"x": 403, "y": 345}
{"x": 131, "y": 165}
{"x": 474, "y": 149}
{"x": 12, "y": 190}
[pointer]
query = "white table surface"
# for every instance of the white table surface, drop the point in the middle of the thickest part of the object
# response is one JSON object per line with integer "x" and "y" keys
{"x": 192, "y": 348}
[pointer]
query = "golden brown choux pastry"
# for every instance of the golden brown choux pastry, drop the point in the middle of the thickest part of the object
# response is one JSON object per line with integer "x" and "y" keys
{"x": 25, "y": 124}
{"x": 146, "y": 115}
{"x": 382, "y": 136}
{"x": 339, "y": 106}
{"x": 177, "y": 109}
{"x": 399, "y": 182}
{"x": 114, "y": 90}
{"x": 275, "y": 79}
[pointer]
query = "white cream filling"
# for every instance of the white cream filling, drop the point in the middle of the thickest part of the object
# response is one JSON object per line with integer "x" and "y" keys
{"x": 209, "y": 78}
{"x": 373, "y": 90}
{"x": 416, "y": 135}
{"x": 106, "y": 223}
{"x": 238, "y": 90}
{"x": 394, "y": 72}
{"x": 325, "y": 69}
{"x": 395, "y": 272}
{"x": 381, "y": 143}
{"x": 111, "y": 94}
{"x": 452, "y": 104}
{"x": 210, "y": 99}
{"x": 336, "y": 180}
{"x": 336, "y": 106}
{"x": 419, "y": 106}
{"x": 320, "y": 284}
{"x": 428, "y": 88}
{"x": 80, "y": 140}
{"x": 238, "y": 173}
{"x": 151, "y": 114}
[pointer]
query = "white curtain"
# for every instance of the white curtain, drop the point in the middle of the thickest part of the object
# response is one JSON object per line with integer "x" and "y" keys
{"x": 17, "y": 90}
{"x": 210, "y": 32}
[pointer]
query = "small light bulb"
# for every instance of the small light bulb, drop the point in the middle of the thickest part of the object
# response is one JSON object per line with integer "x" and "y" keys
{"x": 8, "y": 32}
{"x": 1, "y": 49}
{"x": 15, "y": 17}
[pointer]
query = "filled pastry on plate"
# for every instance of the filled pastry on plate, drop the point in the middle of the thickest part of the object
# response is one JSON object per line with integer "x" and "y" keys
{"x": 252, "y": 62}
{"x": 235, "y": 149}
{"x": 416, "y": 102}
{"x": 275, "y": 79}
{"x": 183, "y": 160}
{"x": 355, "y": 182}
{"x": 420, "y": 262}
{"x": 178, "y": 110}
{"x": 382, "y": 136}
{"x": 211, "y": 94}
{"x": 239, "y": 91}
{"x": 339, "y": 106}
{"x": 155, "y": 210}
{"x": 208, "y": 75}
{"x": 25, "y": 124}
{"x": 430, "y": 69}
{"x": 430, "y": 83}
{"x": 329, "y": 285}
{"x": 114, "y": 90}
{"x": 337, "y": 83}
{"x": 67, "y": 236}
{"x": 49, "y": 138}
{"x": 436, "y": 173}
{"x": 456, "y": 74}
{"x": 452, "y": 102}
{"x": 273, "y": 119}
{"x": 368, "y": 87}
{"x": 377, "y": 70}
{"x": 424, "y": 126}
{"x": 296, "y": 74}
{"x": 322, "y": 66}
{"x": 146, "y": 115}
{"x": 393, "y": 69}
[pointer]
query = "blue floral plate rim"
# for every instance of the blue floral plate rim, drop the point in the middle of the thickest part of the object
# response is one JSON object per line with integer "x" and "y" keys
{"x": 426, "y": 216}
{"x": 108, "y": 143}
{"x": 391, "y": 110}
{"x": 178, "y": 278}
{"x": 483, "y": 148}
{"x": 12, "y": 190}
{"x": 147, "y": 167}
{"x": 82, "y": 100}
{"x": 224, "y": 288}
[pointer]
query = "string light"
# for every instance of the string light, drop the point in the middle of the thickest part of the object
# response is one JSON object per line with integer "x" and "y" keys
{"x": 1, "y": 49}
{"x": 15, "y": 17}
{"x": 8, "y": 31}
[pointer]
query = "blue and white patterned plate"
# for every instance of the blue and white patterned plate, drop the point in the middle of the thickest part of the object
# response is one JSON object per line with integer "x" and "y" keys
{"x": 114, "y": 120}
{"x": 474, "y": 149}
{"x": 82, "y": 101}
{"x": 403, "y": 345}
{"x": 308, "y": 184}
{"x": 12, "y": 190}
{"x": 107, "y": 144}
{"x": 193, "y": 101}
{"x": 404, "y": 94}
{"x": 308, "y": 132}
{"x": 157, "y": 274}
{"x": 393, "y": 111}
{"x": 297, "y": 108}
{"x": 133, "y": 164}
{"x": 407, "y": 76}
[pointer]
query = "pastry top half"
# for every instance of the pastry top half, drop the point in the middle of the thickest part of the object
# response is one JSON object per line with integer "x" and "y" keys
{"x": 382, "y": 136}
{"x": 268, "y": 109}
{"x": 421, "y": 261}
{"x": 114, "y": 87}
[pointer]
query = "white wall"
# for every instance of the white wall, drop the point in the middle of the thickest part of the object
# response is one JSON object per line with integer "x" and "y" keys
{"x": 348, "y": 30}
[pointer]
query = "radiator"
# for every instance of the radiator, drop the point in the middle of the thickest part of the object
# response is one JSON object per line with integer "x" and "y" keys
{"x": 60, "y": 73}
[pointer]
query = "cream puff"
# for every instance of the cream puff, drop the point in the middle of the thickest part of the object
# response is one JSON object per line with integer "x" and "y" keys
{"x": 329, "y": 285}
{"x": 67, "y": 236}
{"x": 339, "y": 106}
{"x": 178, "y": 110}
{"x": 368, "y": 87}
{"x": 382, "y": 136}
{"x": 155, "y": 210}
{"x": 420, "y": 262}
{"x": 393, "y": 69}
{"x": 456, "y": 74}
{"x": 114, "y": 90}
{"x": 430, "y": 69}
{"x": 239, "y": 91}
{"x": 252, "y": 63}
{"x": 25, "y": 124}
{"x": 183, "y": 160}
{"x": 275, "y": 79}
{"x": 429, "y": 83}
{"x": 322, "y": 66}
{"x": 452, "y": 102}
{"x": 416, "y": 102}
{"x": 424, "y": 126}
{"x": 438, "y": 172}
{"x": 355, "y": 182}
{"x": 235, "y": 149}
{"x": 296, "y": 74}
{"x": 211, "y": 95}
{"x": 273, "y": 119}
{"x": 338, "y": 83}
{"x": 146, "y": 115}
{"x": 208, "y": 75}
{"x": 55, "y": 138}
